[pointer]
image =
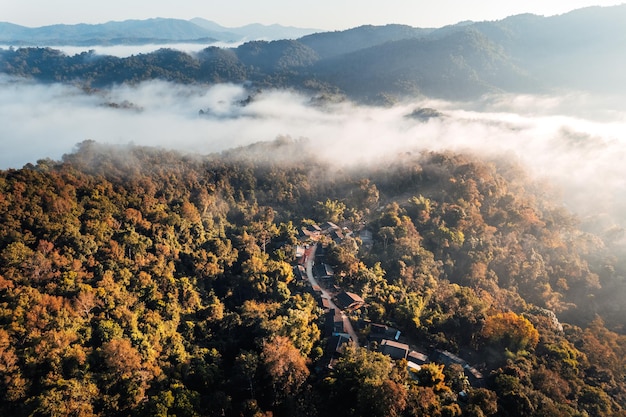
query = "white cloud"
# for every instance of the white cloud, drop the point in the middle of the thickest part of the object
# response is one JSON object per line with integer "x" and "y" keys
{"x": 123, "y": 51}
{"x": 557, "y": 138}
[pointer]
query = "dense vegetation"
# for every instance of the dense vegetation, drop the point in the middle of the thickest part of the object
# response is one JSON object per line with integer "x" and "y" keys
{"x": 139, "y": 281}
{"x": 580, "y": 50}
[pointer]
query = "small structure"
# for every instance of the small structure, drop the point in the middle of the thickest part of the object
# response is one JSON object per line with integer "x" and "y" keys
{"x": 335, "y": 343}
{"x": 349, "y": 301}
{"x": 394, "y": 349}
{"x": 447, "y": 358}
{"x": 413, "y": 370}
{"x": 326, "y": 227}
{"x": 324, "y": 271}
{"x": 300, "y": 254}
{"x": 379, "y": 332}
{"x": 334, "y": 347}
{"x": 313, "y": 228}
{"x": 336, "y": 235}
{"x": 475, "y": 377}
{"x": 301, "y": 272}
{"x": 333, "y": 323}
{"x": 311, "y": 231}
{"x": 417, "y": 358}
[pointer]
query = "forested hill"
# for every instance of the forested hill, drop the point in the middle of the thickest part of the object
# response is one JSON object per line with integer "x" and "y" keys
{"x": 139, "y": 281}
{"x": 580, "y": 50}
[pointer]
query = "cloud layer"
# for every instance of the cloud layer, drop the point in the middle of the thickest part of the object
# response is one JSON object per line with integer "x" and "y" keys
{"x": 575, "y": 141}
{"x": 123, "y": 51}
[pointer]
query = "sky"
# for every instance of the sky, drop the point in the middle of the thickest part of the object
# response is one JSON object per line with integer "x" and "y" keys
{"x": 320, "y": 14}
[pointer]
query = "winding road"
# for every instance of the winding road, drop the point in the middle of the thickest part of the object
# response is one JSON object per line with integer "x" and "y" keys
{"x": 347, "y": 325}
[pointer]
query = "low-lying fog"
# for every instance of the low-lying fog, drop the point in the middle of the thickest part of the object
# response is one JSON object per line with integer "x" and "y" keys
{"x": 123, "y": 51}
{"x": 576, "y": 141}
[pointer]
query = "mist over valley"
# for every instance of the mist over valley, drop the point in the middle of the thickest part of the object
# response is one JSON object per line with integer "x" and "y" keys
{"x": 574, "y": 141}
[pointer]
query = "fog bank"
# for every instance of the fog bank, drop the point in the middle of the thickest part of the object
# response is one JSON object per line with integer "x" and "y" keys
{"x": 576, "y": 141}
{"x": 124, "y": 51}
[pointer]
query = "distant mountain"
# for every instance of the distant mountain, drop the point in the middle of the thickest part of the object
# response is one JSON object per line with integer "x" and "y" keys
{"x": 158, "y": 30}
{"x": 256, "y": 31}
{"x": 127, "y": 32}
{"x": 581, "y": 50}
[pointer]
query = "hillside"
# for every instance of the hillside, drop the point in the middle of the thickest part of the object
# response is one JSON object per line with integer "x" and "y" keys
{"x": 331, "y": 44}
{"x": 521, "y": 54}
{"x": 139, "y": 281}
{"x": 463, "y": 64}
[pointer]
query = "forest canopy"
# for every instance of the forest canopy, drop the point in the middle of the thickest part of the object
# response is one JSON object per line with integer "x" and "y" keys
{"x": 141, "y": 281}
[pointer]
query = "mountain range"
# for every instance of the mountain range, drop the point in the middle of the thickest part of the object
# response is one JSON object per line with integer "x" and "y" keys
{"x": 580, "y": 50}
{"x": 157, "y": 30}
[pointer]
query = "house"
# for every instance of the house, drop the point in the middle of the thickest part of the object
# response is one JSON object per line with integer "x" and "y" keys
{"x": 447, "y": 358}
{"x": 394, "y": 349}
{"x": 300, "y": 253}
{"x": 324, "y": 271}
{"x": 314, "y": 229}
{"x": 475, "y": 377}
{"x": 336, "y": 343}
{"x": 379, "y": 332}
{"x": 413, "y": 369}
{"x": 333, "y": 322}
{"x": 311, "y": 231}
{"x": 324, "y": 303}
{"x": 301, "y": 272}
{"x": 304, "y": 234}
{"x": 336, "y": 235}
{"x": 326, "y": 227}
{"x": 417, "y": 358}
{"x": 334, "y": 347}
{"x": 349, "y": 301}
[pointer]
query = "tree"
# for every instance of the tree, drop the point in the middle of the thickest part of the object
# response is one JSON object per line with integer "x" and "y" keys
{"x": 121, "y": 357}
{"x": 245, "y": 370}
{"x": 361, "y": 384}
{"x": 330, "y": 210}
{"x": 595, "y": 401}
{"x": 126, "y": 379}
{"x": 388, "y": 398}
{"x": 510, "y": 331}
{"x": 483, "y": 399}
{"x": 69, "y": 398}
{"x": 431, "y": 375}
{"x": 285, "y": 366}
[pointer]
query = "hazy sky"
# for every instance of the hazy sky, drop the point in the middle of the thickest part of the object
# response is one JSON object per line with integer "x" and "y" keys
{"x": 320, "y": 14}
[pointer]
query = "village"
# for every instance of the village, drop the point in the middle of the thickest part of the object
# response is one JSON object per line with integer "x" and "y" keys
{"x": 338, "y": 305}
